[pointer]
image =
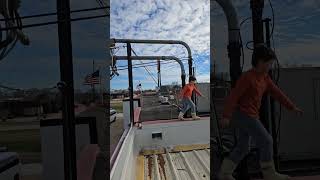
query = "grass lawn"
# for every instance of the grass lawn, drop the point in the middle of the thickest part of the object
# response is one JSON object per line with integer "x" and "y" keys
{"x": 21, "y": 140}
{"x": 117, "y": 105}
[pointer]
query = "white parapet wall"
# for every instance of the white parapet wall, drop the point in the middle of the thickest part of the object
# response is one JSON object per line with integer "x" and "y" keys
{"x": 155, "y": 136}
{"x": 126, "y": 111}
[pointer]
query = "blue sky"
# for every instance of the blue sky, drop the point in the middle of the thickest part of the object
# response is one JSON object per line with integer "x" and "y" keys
{"x": 162, "y": 19}
{"x": 296, "y": 38}
{"x": 296, "y": 33}
{"x": 37, "y": 65}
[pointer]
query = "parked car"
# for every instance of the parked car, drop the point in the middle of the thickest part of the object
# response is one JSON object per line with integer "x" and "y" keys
{"x": 164, "y": 100}
{"x": 10, "y": 166}
{"x": 113, "y": 115}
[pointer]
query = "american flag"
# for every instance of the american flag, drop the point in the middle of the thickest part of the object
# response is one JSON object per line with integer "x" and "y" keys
{"x": 92, "y": 79}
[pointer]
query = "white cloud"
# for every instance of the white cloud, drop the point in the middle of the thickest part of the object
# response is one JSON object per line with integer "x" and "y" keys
{"x": 203, "y": 78}
{"x": 162, "y": 19}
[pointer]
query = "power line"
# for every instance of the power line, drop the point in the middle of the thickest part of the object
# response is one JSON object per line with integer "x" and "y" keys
{"x": 150, "y": 64}
{"x": 145, "y": 67}
{"x": 55, "y": 13}
{"x": 101, "y": 4}
{"x": 270, "y": 3}
{"x": 52, "y": 22}
{"x": 141, "y": 66}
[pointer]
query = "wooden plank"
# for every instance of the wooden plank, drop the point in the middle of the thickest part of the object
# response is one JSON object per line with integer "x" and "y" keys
{"x": 177, "y": 148}
{"x": 147, "y": 152}
{"x": 140, "y": 168}
{"x": 190, "y": 147}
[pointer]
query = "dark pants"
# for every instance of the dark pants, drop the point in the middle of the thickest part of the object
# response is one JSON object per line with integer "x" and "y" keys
{"x": 250, "y": 129}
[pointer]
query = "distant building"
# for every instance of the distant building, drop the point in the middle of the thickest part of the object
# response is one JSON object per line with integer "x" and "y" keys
{"x": 14, "y": 107}
{"x": 119, "y": 94}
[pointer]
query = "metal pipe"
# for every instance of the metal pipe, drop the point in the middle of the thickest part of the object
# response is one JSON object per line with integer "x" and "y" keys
{"x": 183, "y": 74}
{"x": 234, "y": 46}
{"x": 232, "y": 18}
{"x": 234, "y": 52}
{"x": 145, "y": 41}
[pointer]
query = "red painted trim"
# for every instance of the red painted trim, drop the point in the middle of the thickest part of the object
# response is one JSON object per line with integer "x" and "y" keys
{"x": 168, "y": 121}
{"x": 86, "y": 162}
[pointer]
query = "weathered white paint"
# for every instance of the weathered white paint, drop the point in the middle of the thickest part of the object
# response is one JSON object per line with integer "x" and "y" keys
{"x": 203, "y": 103}
{"x": 176, "y": 133}
{"x": 124, "y": 166}
{"x": 173, "y": 133}
{"x": 126, "y": 112}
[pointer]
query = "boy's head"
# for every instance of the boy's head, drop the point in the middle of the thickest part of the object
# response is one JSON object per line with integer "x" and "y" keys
{"x": 262, "y": 58}
{"x": 192, "y": 80}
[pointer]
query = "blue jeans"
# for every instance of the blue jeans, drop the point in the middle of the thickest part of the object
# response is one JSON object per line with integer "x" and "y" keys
{"x": 250, "y": 129}
{"x": 187, "y": 104}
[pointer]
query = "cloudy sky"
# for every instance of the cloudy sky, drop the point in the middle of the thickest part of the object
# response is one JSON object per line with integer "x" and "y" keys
{"x": 296, "y": 38}
{"x": 296, "y": 32}
{"x": 182, "y": 20}
{"x": 37, "y": 65}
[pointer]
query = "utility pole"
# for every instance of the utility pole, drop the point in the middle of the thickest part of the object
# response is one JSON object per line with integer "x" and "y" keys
{"x": 67, "y": 89}
{"x": 92, "y": 85}
{"x": 159, "y": 73}
{"x": 130, "y": 82}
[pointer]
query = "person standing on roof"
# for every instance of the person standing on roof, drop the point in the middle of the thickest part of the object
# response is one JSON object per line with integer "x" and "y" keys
{"x": 186, "y": 95}
{"x": 242, "y": 109}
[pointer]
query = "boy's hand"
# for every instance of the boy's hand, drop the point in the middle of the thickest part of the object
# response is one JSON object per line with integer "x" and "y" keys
{"x": 225, "y": 122}
{"x": 298, "y": 111}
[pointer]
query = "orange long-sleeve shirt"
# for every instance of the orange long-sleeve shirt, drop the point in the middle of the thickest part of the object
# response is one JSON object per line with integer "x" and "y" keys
{"x": 248, "y": 92}
{"x": 188, "y": 89}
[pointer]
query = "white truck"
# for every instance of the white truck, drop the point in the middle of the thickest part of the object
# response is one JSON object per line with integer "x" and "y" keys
{"x": 163, "y": 150}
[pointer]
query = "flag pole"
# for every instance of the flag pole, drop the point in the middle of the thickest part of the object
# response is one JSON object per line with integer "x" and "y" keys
{"x": 101, "y": 90}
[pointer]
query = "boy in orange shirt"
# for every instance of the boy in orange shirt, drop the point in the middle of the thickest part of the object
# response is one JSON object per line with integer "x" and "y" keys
{"x": 187, "y": 103}
{"x": 242, "y": 107}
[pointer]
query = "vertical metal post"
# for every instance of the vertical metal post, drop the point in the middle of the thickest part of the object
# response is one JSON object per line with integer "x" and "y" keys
{"x": 258, "y": 38}
{"x": 130, "y": 82}
{"x": 195, "y": 99}
{"x": 272, "y": 103}
{"x": 159, "y": 75}
{"x": 234, "y": 53}
{"x": 67, "y": 89}
{"x": 190, "y": 65}
{"x": 92, "y": 85}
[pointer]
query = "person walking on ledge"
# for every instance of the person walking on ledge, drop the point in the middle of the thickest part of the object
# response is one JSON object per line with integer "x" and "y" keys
{"x": 242, "y": 108}
{"x": 187, "y": 103}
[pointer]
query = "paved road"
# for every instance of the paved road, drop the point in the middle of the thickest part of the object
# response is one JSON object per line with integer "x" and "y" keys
{"x": 28, "y": 123}
{"x": 116, "y": 130}
{"x": 153, "y": 110}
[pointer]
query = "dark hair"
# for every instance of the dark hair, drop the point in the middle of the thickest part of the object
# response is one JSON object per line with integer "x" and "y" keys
{"x": 192, "y": 78}
{"x": 262, "y": 53}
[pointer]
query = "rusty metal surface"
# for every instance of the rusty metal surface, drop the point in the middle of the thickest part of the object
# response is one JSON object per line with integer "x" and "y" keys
{"x": 187, "y": 165}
